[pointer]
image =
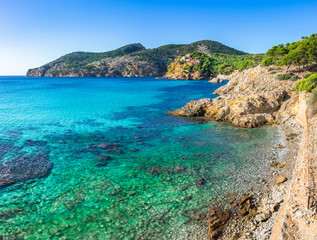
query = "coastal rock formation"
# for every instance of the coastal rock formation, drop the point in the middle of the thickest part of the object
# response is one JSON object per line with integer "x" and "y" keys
{"x": 245, "y": 111}
{"x": 24, "y": 168}
{"x": 221, "y": 77}
{"x": 215, "y": 80}
{"x": 251, "y": 98}
{"x": 194, "y": 108}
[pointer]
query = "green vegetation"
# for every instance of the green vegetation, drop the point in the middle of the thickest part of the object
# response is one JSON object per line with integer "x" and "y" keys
{"x": 307, "y": 75}
{"x": 164, "y": 55}
{"x": 80, "y": 59}
{"x": 221, "y": 63}
{"x": 298, "y": 53}
{"x": 274, "y": 72}
{"x": 161, "y": 56}
{"x": 284, "y": 76}
{"x": 307, "y": 84}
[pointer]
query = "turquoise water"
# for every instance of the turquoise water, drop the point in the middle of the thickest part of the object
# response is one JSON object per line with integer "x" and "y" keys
{"x": 148, "y": 189}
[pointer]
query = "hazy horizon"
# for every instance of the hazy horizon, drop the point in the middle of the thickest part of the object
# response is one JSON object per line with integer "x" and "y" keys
{"x": 36, "y": 32}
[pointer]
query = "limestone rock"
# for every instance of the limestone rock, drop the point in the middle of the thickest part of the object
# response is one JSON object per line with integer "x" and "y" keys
{"x": 246, "y": 111}
{"x": 216, "y": 223}
{"x": 215, "y": 80}
{"x": 194, "y": 108}
{"x": 280, "y": 180}
{"x": 262, "y": 216}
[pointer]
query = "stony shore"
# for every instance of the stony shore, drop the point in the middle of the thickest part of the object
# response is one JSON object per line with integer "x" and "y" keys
{"x": 254, "y": 98}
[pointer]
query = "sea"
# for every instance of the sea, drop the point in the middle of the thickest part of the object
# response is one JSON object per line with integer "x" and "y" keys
{"x": 122, "y": 168}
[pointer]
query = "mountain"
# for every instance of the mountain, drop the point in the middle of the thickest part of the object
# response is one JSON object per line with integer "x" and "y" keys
{"x": 132, "y": 60}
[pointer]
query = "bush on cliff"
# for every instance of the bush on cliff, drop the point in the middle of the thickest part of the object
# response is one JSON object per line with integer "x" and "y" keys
{"x": 298, "y": 53}
{"x": 307, "y": 84}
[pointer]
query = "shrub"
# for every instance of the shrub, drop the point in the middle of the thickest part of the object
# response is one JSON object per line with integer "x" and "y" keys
{"x": 307, "y": 75}
{"x": 188, "y": 68}
{"x": 284, "y": 76}
{"x": 307, "y": 84}
{"x": 294, "y": 78}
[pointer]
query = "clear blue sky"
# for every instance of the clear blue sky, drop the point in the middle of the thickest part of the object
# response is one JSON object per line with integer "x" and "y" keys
{"x": 34, "y": 32}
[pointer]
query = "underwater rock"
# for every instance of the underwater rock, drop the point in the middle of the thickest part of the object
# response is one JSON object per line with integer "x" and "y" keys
{"x": 9, "y": 213}
{"x": 201, "y": 181}
{"x": 114, "y": 150}
{"x": 23, "y": 168}
{"x": 200, "y": 216}
{"x": 94, "y": 151}
{"x": 243, "y": 200}
{"x": 134, "y": 150}
{"x": 103, "y": 160}
{"x": 115, "y": 191}
{"x": 107, "y": 145}
{"x": 31, "y": 142}
{"x": 178, "y": 169}
{"x": 103, "y": 157}
{"x": 188, "y": 197}
{"x": 155, "y": 170}
{"x": 146, "y": 235}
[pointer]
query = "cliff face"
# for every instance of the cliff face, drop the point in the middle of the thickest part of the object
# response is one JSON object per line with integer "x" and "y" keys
{"x": 179, "y": 69}
{"x": 133, "y": 60}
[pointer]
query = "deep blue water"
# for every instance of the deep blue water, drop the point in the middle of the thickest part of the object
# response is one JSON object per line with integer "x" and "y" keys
{"x": 156, "y": 158}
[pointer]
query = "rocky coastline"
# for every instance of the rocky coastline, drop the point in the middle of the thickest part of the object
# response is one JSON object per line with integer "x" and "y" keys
{"x": 255, "y": 98}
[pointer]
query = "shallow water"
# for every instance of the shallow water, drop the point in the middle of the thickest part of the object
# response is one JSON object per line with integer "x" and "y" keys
{"x": 156, "y": 159}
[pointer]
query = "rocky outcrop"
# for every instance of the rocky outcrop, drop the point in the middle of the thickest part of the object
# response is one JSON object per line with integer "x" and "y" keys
{"x": 221, "y": 77}
{"x": 24, "y": 168}
{"x": 194, "y": 108}
{"x": 216, "y": 80}
{"x": 245, "y": 111}
{"x": 251, "y": 98}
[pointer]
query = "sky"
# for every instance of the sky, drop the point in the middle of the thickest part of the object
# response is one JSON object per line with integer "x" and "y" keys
{"x": 35, "y": 32}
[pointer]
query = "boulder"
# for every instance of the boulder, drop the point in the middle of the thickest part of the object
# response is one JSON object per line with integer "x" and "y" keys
{"x": 262, "y": 216}
{"x": 215, "y": 80}
{"x": 200, "y": 216}
{"x": 281, "y": 179}
{"x": 201, "y": 181}
{"x": 194, "y": 108}
{"x": 217, "y": 222}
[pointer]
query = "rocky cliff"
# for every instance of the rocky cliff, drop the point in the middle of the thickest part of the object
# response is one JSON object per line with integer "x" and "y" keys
{"x": 133, "y": 60}
{"x": 251, "y": 98}
{"x": 185, "y": 68}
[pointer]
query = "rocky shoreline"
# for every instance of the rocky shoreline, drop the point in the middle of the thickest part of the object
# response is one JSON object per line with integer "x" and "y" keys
{"x": 251, "y": 215}
{"x": 254, "y": 98}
